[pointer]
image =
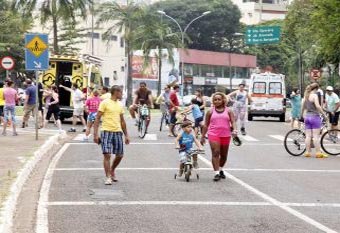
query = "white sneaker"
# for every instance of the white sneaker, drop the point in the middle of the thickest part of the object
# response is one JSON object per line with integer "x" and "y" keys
{"x": 85, "y": 139}
{"x": 108, "y": 181}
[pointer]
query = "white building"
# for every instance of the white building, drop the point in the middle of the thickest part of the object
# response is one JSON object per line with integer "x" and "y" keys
{"x": 256, "y": 11}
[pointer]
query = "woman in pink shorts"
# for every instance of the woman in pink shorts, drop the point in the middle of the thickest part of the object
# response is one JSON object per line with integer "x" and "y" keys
{"x": 219, "y": 123}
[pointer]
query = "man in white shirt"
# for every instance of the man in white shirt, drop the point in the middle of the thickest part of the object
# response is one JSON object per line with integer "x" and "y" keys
{"x": 78, "y": 105}
{"x": 333, "y": 107}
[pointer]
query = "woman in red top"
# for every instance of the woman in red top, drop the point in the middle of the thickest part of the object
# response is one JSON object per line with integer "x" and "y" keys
{"x": 220, "y": 126}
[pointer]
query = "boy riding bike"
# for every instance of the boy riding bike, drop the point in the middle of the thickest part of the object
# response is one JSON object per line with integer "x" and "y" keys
{"x": 184, "y": 142}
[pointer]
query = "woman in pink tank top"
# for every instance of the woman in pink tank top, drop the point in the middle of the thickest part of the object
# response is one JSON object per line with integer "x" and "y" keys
{"x": 218, "y": 123}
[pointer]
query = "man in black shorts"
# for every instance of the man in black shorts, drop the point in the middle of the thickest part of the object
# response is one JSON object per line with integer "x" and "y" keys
{"x": 333, "y": 107}
{"x": 142, "y": 95}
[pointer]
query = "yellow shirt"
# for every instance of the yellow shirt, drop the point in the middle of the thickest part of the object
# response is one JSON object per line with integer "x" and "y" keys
{"x": 111, "y": 115}
{"x": 2, "y": 99}
{"x": 106, "y": 96}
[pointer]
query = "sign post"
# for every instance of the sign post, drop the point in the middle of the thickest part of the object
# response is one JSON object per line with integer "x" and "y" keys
{"x": 36, "y": 59}
{"x": 7, "y": 63}
{"x": 315, "y": 74}
{"x": 263, "y": 35}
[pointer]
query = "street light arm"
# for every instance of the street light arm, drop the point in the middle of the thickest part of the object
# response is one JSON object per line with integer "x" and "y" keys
{"x": 179, "y": 26}
{"x": 186, "y": 28}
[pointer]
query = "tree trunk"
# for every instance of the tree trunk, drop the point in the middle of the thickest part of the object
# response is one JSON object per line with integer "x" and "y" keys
{"x": 159, "y": 89}
{"x": 128, "y": 53}
{"x": 55, "y": 35}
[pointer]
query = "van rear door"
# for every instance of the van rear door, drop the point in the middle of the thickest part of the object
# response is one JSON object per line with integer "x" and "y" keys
{"x": 275, "y": 97}
{"x": 259, "y": 95}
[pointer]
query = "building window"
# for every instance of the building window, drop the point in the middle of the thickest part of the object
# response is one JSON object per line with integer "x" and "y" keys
{"x": 122, "y": 68}
{"x": 94, "y": 35}
{"x": 196, "y": 70}
{"x": 122, "y": 42}
{"x": 114, "y": 38}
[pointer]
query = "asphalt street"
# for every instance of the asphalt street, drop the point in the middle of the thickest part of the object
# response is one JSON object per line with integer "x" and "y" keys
{"x": 266, "y": 189}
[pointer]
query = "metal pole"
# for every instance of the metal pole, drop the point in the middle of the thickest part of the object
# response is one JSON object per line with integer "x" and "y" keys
{"x": 261, "y": 9}
{"x": 36, "y": 104}
{"x": 182, "y": 62}
{"x": 92, "y": 30}
{"x": 230, "y": 74}
{"x": 7, "y": 74}
{"x": 300, "y": 70}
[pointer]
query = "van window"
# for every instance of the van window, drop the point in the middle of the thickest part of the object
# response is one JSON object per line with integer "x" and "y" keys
{"x": 259, "y": 88}
{"x": 275, "y": 88}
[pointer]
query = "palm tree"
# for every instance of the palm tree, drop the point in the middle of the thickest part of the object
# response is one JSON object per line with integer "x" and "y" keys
{"x": 153, "y": 34}
{"x": 124, "y": 19}
{"x": 56, "y": 11}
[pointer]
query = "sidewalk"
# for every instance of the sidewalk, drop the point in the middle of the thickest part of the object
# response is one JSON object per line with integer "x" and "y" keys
{"x": 18, "y": 156}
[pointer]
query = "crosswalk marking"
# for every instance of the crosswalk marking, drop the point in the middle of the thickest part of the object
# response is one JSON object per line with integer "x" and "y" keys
{"x": 248, "y": 138}
{"x": 278, "y": 137}
{"x": 79, "y": 137}
{"x": 150, "y": 137}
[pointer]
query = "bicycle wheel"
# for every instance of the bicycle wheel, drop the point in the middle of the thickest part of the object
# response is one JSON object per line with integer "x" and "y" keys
{"x": 162, "y": 120}
{"x": 294, "y": 142}
{"x": 142, "y": 128}
{"x": 330, "y": 142}
{"x": 177, "y": 129}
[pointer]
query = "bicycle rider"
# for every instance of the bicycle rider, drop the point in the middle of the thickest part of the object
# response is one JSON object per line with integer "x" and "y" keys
{"x": 184, "y": 143}
{"x": 142, "y": 95}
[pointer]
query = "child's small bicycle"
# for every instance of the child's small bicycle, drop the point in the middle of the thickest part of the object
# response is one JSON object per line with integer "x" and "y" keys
{"x": 189, "y": 165}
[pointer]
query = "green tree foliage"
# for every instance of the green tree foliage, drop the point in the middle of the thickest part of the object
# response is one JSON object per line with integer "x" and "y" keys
{"x": 12, "y": 28}
{"x": 122, "y": 19}
{"x": 325, "y": 25}
{"x": 56, "y": 12}
{"x": 156, "y": 35}
{"x": 214, "y": 31}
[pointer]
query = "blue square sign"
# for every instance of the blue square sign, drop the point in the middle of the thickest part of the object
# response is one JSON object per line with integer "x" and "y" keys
{"x": 36, "y": 52}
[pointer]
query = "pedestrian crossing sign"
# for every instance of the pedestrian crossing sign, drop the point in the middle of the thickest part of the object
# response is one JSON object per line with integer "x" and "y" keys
{"x": 36, "y": 46}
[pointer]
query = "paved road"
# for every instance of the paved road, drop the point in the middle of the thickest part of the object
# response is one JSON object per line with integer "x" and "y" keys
{"x": 266, "y": 190}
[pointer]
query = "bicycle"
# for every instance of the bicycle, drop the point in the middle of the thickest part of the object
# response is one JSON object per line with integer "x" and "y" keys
{"x": 189, "y": 165}
{"x": 295, "y": 139}
{"x": 165, "y": 116}
{"x": 177, "y": 129}
{"x": 143, "y": 120}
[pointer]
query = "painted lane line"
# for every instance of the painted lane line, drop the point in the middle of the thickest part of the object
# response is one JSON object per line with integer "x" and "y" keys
{"x": 204, "y": 169}
{"x": 170, "y": 143}
{"x": 273, "y": 201}
{"x": 179, "y": 203}
{"x": 333, "y": 205}
{"x": 42, "y": 212}
{"x": 176, "y": 203}
{"x": 248, "y": 138}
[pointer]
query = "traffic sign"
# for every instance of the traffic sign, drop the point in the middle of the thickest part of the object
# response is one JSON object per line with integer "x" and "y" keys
{"x": 263, "y": 35}
{"x": 7, "y": 63}
{"x": 315, "y": 74}
{"x": 36, "y": 52}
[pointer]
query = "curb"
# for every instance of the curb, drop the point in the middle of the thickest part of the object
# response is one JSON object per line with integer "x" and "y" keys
{"x": 8, "y": 211}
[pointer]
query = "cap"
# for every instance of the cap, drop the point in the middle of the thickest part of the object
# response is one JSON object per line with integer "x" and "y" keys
{"x": 243, "y": 83}
{"x": 329, "y": 88}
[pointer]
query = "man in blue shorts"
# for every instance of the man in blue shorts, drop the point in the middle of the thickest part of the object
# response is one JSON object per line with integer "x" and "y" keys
{"x": 113, "y": 126}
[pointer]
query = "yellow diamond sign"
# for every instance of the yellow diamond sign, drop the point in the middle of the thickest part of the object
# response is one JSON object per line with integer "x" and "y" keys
{"x": 36, "y": 46}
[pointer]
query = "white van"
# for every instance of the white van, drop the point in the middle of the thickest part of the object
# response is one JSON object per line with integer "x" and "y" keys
{"x": 268, "y": 93}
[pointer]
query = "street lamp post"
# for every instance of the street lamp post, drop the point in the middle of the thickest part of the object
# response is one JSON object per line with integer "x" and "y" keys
{"x": 182, "y": 37}
{"x": 230, "y": 73}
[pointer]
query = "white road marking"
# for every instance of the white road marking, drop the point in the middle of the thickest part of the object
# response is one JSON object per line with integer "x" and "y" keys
{"x": 106, "y": 203}
{"x": 79, "y": 137}
{"x": 150, "y": 137}
{"x": 42, "y": 212}
{"x": 278, "y": 137}
{"x": 248, "y": 138}
{"x": 204, "y": 169}
{"x": 179, "y": 203}
{"x": 274, "y": 201}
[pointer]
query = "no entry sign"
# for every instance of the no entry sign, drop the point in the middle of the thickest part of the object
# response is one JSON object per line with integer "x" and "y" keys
{"x": 7, "y": 63}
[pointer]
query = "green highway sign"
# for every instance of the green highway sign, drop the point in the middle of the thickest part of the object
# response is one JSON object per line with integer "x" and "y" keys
{"x": 263, "y": 35}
